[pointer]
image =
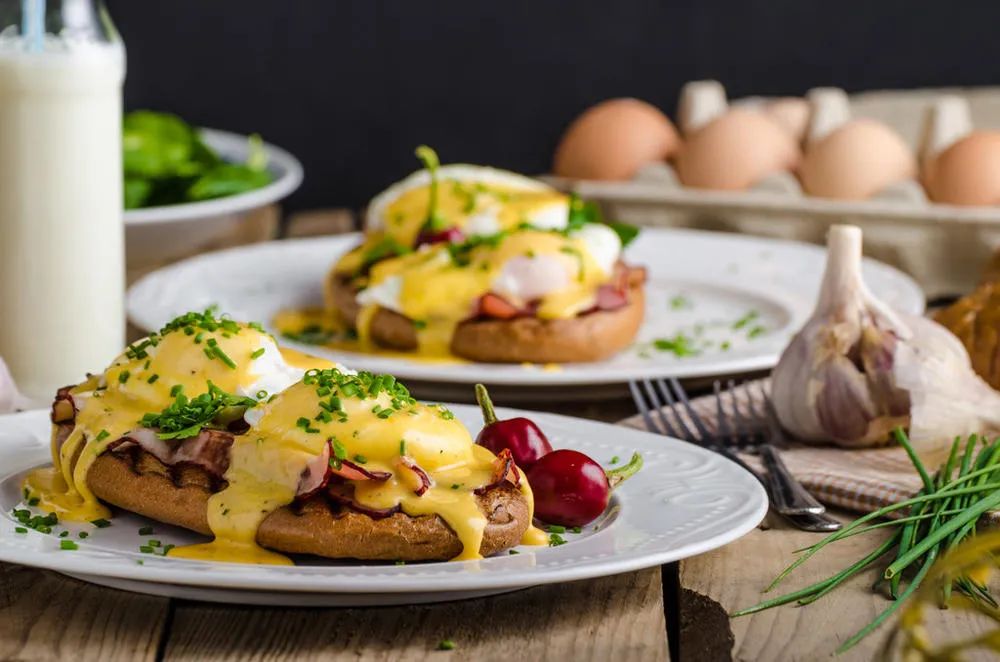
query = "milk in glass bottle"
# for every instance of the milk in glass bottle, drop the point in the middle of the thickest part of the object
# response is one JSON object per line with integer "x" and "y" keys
{"x": 62, "y": 65}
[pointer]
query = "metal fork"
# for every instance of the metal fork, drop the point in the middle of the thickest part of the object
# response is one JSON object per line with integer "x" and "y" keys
{"x": 790, "y": 498}
{"x": 653, "y": 397}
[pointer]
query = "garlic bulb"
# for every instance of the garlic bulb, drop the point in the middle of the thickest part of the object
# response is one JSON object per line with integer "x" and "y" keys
{"x": 857, "y": 369}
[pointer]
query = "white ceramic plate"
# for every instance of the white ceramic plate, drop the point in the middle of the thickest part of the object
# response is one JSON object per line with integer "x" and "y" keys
{"x": 685, "y": 501}
{"x": 695, "y": 278}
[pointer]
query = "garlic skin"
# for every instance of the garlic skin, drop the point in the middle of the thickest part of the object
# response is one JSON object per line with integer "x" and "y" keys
{"x": 857, "y": 369}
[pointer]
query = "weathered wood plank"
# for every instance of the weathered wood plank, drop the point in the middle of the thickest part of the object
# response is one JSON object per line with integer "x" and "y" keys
{"x": 618, "y": 618}
{"x": 733, "y": 577}
{"x": 45, "y": 616}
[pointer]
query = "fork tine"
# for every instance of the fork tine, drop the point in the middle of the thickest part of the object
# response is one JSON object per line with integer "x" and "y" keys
{"x": 658, "y": 406}
{"x": 725, "y": 430}
{"x": 685, "y": 429}
{"x": 640, "y": 404}
{"x": 694, "y": 416}
{"x": 740, "y": 436}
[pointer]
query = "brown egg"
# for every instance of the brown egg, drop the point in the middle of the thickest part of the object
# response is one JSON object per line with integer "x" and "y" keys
{"x": 791, "y": 114}
{"x": 735, "y": 151}
{"x": 967, "y": 172}
{"x": 855, "y": 161}
{"x": 613, "y": 139}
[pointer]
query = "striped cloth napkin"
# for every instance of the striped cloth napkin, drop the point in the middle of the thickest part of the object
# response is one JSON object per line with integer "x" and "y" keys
{"x": 858, "y": 480}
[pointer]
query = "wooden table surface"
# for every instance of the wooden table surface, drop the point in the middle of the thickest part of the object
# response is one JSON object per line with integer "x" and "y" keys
{"x": 44, "y": 615}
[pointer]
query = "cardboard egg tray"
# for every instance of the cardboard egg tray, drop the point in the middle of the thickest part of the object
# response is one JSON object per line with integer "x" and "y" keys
{"x": 944, "y": 247}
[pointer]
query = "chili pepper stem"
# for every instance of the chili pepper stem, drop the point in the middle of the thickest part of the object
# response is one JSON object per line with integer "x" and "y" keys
{"x": 486, "y": 405}
{"x": 617, "y": 475}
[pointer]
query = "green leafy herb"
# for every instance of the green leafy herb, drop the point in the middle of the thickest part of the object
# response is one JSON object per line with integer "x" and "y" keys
{"x": 429, "y": 158}
{"x": 40, "y": 523}
{"x": 311, "y": 334}
{"x": 679, "y": 302}
{"x": 68, "y": 545}
{"x": 166, "y": 162}
{"x": 185, "y": 418}
{"x": 680, "y": 345}
{"x": 581, "y": 213}
{"x": 745, "y": 321}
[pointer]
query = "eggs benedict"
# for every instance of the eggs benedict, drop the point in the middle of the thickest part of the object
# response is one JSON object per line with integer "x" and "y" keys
{"x": 491, "y": 266}
{"x": 208, "y": 425}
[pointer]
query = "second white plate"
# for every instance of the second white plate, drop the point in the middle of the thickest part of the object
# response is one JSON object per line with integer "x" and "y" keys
{"x": 735, "y": 300}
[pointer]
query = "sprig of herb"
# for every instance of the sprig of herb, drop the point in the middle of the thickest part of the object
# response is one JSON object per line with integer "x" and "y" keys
{"x": 937, "y": 519}
{"x": 185, "y": 418}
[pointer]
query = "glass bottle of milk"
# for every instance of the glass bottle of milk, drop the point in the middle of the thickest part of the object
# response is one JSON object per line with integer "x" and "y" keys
{"x": 62, "y": 65}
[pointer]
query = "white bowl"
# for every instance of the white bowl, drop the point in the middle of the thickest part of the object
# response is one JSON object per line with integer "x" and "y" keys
{"x": 160, "y": 234}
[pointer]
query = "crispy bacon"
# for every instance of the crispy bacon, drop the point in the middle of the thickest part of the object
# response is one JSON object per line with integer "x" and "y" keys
{"x": 416, "y": 478}
{"x": 496, "y": 307}
{"x": 316, "y": 474}
{"x": 209, "y": 449}
{"x": 63, "y": 408}
{"x": 504, "y": 471}
{"x": 351, "y": 471}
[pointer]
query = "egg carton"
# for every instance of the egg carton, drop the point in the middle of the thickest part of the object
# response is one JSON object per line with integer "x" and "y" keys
{"x": 944, "y": 247}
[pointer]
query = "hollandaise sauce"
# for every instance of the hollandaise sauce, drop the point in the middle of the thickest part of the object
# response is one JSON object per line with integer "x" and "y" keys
{"x": 431, "y": 465}
{"x": 176, "y": 380}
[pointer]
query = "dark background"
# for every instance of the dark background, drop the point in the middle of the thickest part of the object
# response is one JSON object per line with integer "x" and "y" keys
{"x": 351, "y": 86}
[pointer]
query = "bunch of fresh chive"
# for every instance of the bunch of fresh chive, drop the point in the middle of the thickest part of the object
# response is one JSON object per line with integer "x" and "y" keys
{"x": 942, "y": 514}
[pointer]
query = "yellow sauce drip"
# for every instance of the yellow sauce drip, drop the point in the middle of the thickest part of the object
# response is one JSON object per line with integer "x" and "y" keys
{"x": 138, "y": 383}
{"x": 329, "y": 331}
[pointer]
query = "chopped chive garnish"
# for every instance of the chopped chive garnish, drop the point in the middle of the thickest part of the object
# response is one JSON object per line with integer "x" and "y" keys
{"x": 83, "y": 534}
{"x": 123, "y": 376}
{"x": 145, "y": 530}
{"x": 556, "y": 528}
{"x": 68, "y": 545}
{"x": 100, "y": 523}
{"x": 20, "y": 529}
{"x": 152, "y": 378}
{"x": 63, "y": 534}
{"x": 102, "y": 435}
{"x": 402, "y": 446}
{"x": 577, "y": 529}
{"x": 446, "y": 645}
{"x": 257, "y": 354}
{"x": 176, "y": 390}
{"x": 513, "y": 551}
{"x": 145, "y": 549}
{"x": 360, "y": 459}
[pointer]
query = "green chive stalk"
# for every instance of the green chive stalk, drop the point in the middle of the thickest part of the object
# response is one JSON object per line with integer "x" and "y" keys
{"x": 941, "y": 515}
